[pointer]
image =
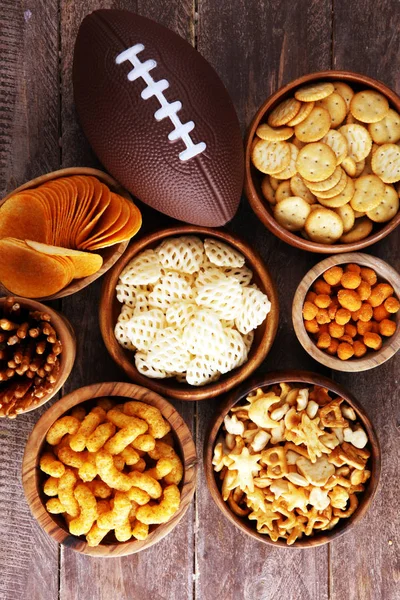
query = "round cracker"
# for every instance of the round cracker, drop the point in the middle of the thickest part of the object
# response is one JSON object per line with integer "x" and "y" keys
{"x": 267, "y": 190}
{"x": 274, "y": 182}
{"x": 314, "y": 91}
{"x": 336, "y": 107}
{"x": 361, "y": 229}
{"x": 336, "y": 190}
{"x": 290, "y": 170}
{"x": 368, "y": 193}
{"x": 305, "y": 109}
{"x": 336, "y": 140}
{"x": 341, "y": 199}
{"x": 274, "y": 134}
{"x": 284, "y": 112}
{"x": 358, "y": 214}
{"x": 345, "y": 91}
{"x": 316, "y": 162}
{"x": 386, "y": 131}
{"x": 358, "y": 140}
{"x": 349, "y": 165}
{"x": 315, "y": 126}
{"x": 346, "y": 213}
{"x": 270, "y": 157}
{"x": 360, "y": 166}
{"x": 369, "y": 106}
{"x": 323, "y": 226}
{"x": 325, "y": 184}
{"x": 387, "y": 208}
{"x": 386, "y": 163}
{"x": 283, "y": 191}
{"x": 292, "y": 213}
{"x": 299, "y": 188}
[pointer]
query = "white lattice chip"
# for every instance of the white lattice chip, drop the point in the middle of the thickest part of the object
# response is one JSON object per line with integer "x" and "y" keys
{"x": 143, "y": 269}
{"x": 181, "y": 254}
{"x": 222, "y": 255}
{"x": 201, "y": 370}
{"x": 204, "y": 334}
{"x": 254, "y": 310}
{"x": 180, "y": 313}
{"x": 172, "y": 287}
{"x": 236, "y": 353}
{"x": 224, "y": 297}
{"x": 168, "y": 352}
{"x": 141, "y": 329}
{"x": 146, "y": 369}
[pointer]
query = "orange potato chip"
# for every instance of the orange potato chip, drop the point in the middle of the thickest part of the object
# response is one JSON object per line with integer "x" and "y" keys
{"x": 100, "y": 205}
{"x": 84, "y": 263}
{"x": 23, "y": 215}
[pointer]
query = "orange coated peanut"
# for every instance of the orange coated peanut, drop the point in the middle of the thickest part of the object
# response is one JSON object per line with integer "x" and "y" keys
{"x": 379, "y": 293}
{"x": 380, "y": 312}
{"x": 335, "y": 330}
{"x": 309, "y": 311}
{"x": 368, "y": 275}
{"x": 365, "y": 312}
{"x": 333, "y": 275}
{"x": 350, "y": 280}
{"x": 321, "y": 287}
{"x": 345, "y": 351}
{"x": 323, "y": 300}
{"x": 349, "y": 299}
{"x": 364, "y": 290}
{"x": 324, "y": 340}
{"x": 311, "y": 326}
{"x": 372, "y": 340}
{"x": 387, "y": 327}
{"x": 350, "y": 330}
{"x": 353, "y": 268}
{"x": 343, "y": 316}
{"x": 359, "y": 348}
{"x": 322, "y": 316}
{"x": 333, "y": 347}
{"x": 392, "y": 305}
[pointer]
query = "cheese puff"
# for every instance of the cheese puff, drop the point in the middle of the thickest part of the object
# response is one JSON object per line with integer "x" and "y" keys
{"x": 130, "y": 456}
{"x": 139, "y": 466}
{"x": 88, "y": 510}
{"x": 163, "y": 467}
{"x": 88, "y": 471}
{"x": 100, "y": 436}
{"x": 144, "y": 442}
{"x": 145, "y": 482}
{"x": 71, "y": 458}
{"x": 324, "y": 340}
{"x": 162, "y": 512}
{"x": 162, "y": 450}
{"x": 105, "y": 403}
{"x": 140, "y": 531}
{"x": 364, "y": 290}
{"x": 139, "y": 496}
{"x": 51, "y": 466}
{"x": 66, "y": 487}
{"x": 63, "y": 444}
{"x": 379, "y": 293}
{"x": 50, "y": 487}
{"x": 335, "y": 330}
{"x": 78, "y": 412}
{"x": 158, "y": 426}
{"x": 392, "y": 305}
{"x": 387, "y": 327}
{"x": 321, "y": 287}
{"x": 343, "y": 316}
{"x": 311, "y": 326}
{"x": 359, "y": 348}
{"x": 95, "y": 535}
{"x": 323, "y": 300}
{"x": 353, "y": 268}
{"x": 380, "y": 312}
{"x": 54, "y": 506}
{"x": 332, "y": 349}
{"x": 99, "y": 489}
{"x": 365, "y": 313}
{"x": 110, "y": 474}
{"x": 368, "y": 275}
{"x": 60, "y": 427}
{"x": 349, "y": 299}
{"x": 125, "y": 436}
{"x": 372, "y": 340}
{"x": 347, "y": 338}
{"x": 133, "y": 511}
{"x": 345, "y": 351}
{"x": 310, "y": 297}
{"x": 119, "y": 513}
{"x": 123, "y": 532}
{"x": 119, "y": 462}
{"x": 362, "y": 327}
{"x": 322, "y": 316}
{"x": 333, "y": 275}
{"x": 350, "y": 329}
{"x": 309, "y": 311}
{"x": 350, "y": 280}
{"x": 87, "y": 427}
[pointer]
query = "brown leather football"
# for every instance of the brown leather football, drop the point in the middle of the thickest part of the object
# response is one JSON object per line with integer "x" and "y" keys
{"x": 158, "y": 117}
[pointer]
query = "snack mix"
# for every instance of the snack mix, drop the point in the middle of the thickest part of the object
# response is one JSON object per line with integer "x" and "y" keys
{"x": 29, "y": 358}
{"x": 189, "y": 310}
{"x": 112, "y": 468}
{"x": 348, "y": 313}
{"x": 331, "y": 158}
{"x": 292, "y": 459}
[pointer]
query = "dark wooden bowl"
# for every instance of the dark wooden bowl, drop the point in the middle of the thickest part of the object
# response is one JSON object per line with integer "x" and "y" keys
{"x": 110, "y": 255}
{"x": 264, "y": 334}
{"x": 239, "y": 395}
{"x": 253, "y": 177}
{"x": 32, "y": 477}
{"x": 66, "y": 336}
{"x": 372, "y": 358}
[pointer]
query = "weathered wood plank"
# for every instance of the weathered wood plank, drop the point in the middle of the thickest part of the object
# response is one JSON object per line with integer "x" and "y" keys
{"x": 29, "y": 119}
{"x": 364, "y": 563}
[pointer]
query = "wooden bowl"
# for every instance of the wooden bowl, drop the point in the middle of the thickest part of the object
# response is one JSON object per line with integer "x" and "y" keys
{"x": 238, "y": 396}
{"x": 372, "y": 358}
{"x": 66, "y": 336}
{"x": 33, "y": 477}
{"x": 253, "y": 177}
{"x": 110, "y": 255}
{"x": 264, "y": 334}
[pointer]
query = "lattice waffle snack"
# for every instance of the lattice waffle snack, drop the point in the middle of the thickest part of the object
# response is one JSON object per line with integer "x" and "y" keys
{"x": 113, "y": 471}
{"x": 330, "y": 156}
{"x": 189, "y": 310}
{"x": 293, "y": 460}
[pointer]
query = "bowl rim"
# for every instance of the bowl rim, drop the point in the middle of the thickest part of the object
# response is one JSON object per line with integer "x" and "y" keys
{"x": 255, "y": 199}
{"x": 309, "y": 378}
{"x": 237, "y": 375}
{"x": 118, "y": 249}
{"x": 372, "y": 359}
{"x": 37, "y": 438}
{"x": 65, "y": 334}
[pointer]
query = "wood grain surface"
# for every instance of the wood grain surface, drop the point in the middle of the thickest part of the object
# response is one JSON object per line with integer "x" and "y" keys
{"x": 256, "y": 46}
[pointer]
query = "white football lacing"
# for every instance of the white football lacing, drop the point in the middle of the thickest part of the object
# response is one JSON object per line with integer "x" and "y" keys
{"x": 157, "y": 88}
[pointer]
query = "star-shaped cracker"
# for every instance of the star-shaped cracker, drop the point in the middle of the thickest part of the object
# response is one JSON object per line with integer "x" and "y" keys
{"x": 264, "y": 519}
{"x": 308, "y": 433}
{"x": 246, "y": 465}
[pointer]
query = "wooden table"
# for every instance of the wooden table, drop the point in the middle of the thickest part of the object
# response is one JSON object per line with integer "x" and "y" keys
{"x": 256, "y": 46}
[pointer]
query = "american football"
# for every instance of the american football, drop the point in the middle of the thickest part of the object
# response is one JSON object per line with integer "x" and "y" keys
{"x": 158, "y": 117}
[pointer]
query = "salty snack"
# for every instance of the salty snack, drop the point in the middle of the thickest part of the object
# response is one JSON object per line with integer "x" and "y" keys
{"x": 48, "y": 233}
{"x": 113, "y": 469}
{"x": 334, "y": 153}
{"x": 348, "y": 312}
{"x": 30, "y": 353}
{"x": 189, "y": 309}
{"x": 293, "y": 459}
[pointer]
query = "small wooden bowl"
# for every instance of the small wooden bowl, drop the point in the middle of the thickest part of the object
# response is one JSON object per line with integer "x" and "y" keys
{"x": 238, "y": 396}
{"x": 253, "y": 177}
{"x": 110, "y": 255}
{"x": 372, "y": 358}
{"x": 32, "y": 477}
{"x": 264, "y": 334}
{"x": 66, "y": 336}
